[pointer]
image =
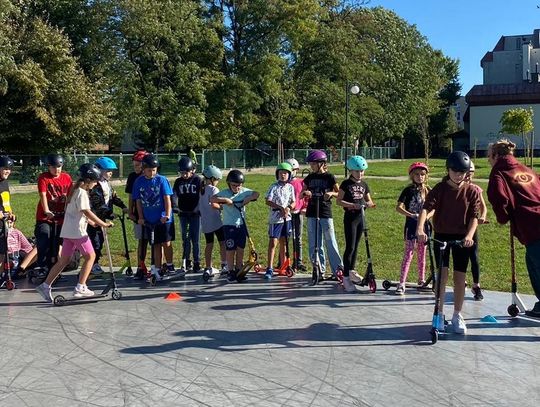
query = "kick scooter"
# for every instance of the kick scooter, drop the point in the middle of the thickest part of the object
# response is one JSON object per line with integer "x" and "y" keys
{"x": 253, "y": 256}
{"x": 60, "y": 300}
{"x": 127, "y": 264}
{"x": 369, "y": 278}
{"x": 517, "y": 305}
{"x": 5, "y": 278}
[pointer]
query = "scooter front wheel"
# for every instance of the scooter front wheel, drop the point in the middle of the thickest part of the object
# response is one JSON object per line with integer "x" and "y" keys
{"x": 10, "y": 285}
{"x": 116, "y": 295}
{"x": 59, "y": 300}
{"x": 386, "y": 284}
{"x": 513, "y": 310}
{"x": 129, "y": 272}
{"x": 289, "y": 272}
{"x": 434, "y": 336}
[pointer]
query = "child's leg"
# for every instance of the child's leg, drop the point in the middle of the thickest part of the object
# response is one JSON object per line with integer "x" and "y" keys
{"x": 168, "y": 252}
{"x": 358, "y": 229}
{"x": 272, "y": 242}
{"x": 406, "y": 262}
{"x": 208, "y": 254}
{"x": 239, "y": 257}
{"x": 42, "y": 232}
{"x": 58, "y": 267}
{"x": 194, "y": 231}
{"x": 86, "y": 268}
{"x": 442, "y": 289}
{"x": 349, "y": 239}
{"x": 28, "y": 259}
{"x": 223, "y": 252}
{"x": 281, "y": 250}
{"x": 186, "y": 243}
{"x": 459, "y": 290}
{"x": 421, "y": 259}
{"x": 334, "y": 257}
{"x": 475, "y": 264}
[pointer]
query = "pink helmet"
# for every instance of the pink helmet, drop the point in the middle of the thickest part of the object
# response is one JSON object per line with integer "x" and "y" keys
{"x": 416, "y": 165}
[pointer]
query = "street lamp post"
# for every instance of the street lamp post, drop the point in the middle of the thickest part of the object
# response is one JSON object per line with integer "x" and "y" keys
{"x": 354, "y": 89}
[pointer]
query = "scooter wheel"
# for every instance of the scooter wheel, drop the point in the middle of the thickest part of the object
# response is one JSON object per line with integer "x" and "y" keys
{"x": 513, "y": 310}
{"x": 116, "y": 295}
{"x": 339, "y": 276}
{"x": 59, "y": 300}
{"x": 289, "y": 272}
{"x": 10, "y": 285}
{"x": 129, "y": 272}
{"x": 386, "y": 284}
{"x": 206, "y": 277}
{"x": 153, "y": 280}
{"x": 372, "y": 284}
{"x": 434, "y": 336}
{"x": 257, "y": 268}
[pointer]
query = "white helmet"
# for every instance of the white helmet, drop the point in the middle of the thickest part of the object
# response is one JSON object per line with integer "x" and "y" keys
{"x": 294, "y": 164}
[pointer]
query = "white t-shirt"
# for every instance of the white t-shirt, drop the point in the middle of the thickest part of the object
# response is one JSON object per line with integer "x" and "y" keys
{"x": 106, "y": 187}
{"x": 210, "y": 217}
{"x": 75, "y": 221}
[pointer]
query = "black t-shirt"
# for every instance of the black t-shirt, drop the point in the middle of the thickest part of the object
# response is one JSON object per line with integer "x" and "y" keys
{"x": 354, "y": 192}
{"x": 129, "y": 189}
{"x": 5, "y": 199}
{"x": 319, "y": 184}
{"x": 186, "y": 193}
{"x": 412, "y": 199}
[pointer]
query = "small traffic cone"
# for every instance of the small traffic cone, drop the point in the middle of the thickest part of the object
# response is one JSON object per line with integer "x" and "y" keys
{"x": 489, "y": 319}
{"x": 173, "y": 297}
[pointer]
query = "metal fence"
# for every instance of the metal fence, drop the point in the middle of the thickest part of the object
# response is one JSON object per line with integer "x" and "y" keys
{"x": 27, "y": 168}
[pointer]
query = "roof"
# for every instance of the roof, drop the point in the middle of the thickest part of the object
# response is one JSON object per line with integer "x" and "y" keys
{"x": 504, "y": 94}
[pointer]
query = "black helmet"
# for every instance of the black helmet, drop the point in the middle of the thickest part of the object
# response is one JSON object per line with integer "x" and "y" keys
{"x": 150, "y": 161}
{"x": 458, "y": 161}
{"x": 235, "y": 176}
{"x": 6, "y": 162}
{"x": 185, "y": 164}
{"x": 89, "y": 171}
{"x": 55, "y": 160}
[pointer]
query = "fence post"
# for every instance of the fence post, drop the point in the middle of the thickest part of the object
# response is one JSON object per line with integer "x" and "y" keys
{"x": 121, "y": 166}
{"x": 203, "y": 159}
{"x": 224, "y": 159}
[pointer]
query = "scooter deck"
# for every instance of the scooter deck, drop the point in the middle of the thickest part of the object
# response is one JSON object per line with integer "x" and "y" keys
{"x": 424, "y": 287}
{"x": 60, "y": 300}
{"x": 181, "y": 275}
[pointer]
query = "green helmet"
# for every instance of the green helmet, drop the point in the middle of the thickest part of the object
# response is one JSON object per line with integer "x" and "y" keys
{"x": 284, "y": 166}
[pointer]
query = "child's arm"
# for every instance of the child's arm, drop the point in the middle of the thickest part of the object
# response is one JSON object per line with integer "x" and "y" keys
{"x": 252, "y": 197}
{"x": 168, "y": 208}
{"x": 345, "y": 204}
{"x": 400, "y": 208}
{"x": 220, "y": 200}
{"x": 331, "y": 194}
{"x": 369, "y": 201}
{"x": 141, "y": 220}
{"x": 45, "y": 205}
{"x": 420, "y": 233}
{"x": 92, "y": 217}
{"x": 483, "y": 210}
{"x": 116, "y": 201}
{"x": 468, "y": 240}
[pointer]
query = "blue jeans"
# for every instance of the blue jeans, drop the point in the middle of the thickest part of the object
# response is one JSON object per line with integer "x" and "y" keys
{"x": 191, "y": 226}
{"x": 532, "y": 258}
{"x": 326, "y": 229}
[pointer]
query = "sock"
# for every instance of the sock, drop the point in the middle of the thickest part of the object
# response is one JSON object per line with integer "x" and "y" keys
{"x": 80, "y": 286}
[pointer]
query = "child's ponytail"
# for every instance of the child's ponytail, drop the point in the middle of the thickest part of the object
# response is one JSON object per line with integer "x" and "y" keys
{"x": 76, "y": 185}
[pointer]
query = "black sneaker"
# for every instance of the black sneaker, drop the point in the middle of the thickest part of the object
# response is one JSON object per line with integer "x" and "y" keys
{"x": 196, "y": 267}
{"x": 477, "y": 292}
{"x": 231, "y": 275}
{"x": 301, "y": 267}
{"x": 139, "y": 274}
{"x": 189, "y": 265}
{"x": 535, "y": 311}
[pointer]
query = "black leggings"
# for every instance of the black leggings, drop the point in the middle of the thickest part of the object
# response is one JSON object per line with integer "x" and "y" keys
{"x": 353, "y": 227}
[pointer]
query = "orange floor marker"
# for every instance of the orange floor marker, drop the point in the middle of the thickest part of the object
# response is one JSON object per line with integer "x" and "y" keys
{"x": 173, "y": 297}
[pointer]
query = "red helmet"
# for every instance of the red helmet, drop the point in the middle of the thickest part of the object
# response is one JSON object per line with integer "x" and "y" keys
{"x": 139, "y": 155}
{"x": 416, "y": 165}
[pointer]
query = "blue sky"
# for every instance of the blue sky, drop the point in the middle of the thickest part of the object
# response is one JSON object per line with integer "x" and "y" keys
{"x": 466, "y": 29}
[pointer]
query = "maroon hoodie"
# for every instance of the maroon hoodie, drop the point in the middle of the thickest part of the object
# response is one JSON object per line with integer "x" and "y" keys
{"x": 514, "y": 193}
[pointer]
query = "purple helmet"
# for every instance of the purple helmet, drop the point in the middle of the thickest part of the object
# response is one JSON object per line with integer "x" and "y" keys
{"x": 316, "y": 156}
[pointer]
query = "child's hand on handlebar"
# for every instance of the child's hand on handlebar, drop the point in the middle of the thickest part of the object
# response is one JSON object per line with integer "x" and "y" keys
{"x": 109, "y": 224}
{"x": 468, "y": 241}
{"x": 422, "y": 237}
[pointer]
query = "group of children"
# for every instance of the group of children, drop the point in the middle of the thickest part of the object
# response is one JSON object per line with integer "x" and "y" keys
{"x": 76, "y": 215}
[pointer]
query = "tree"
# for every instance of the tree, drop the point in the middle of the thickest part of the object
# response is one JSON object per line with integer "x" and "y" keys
{"x": 519, "y": 121}
{"x": 46, "y": 99}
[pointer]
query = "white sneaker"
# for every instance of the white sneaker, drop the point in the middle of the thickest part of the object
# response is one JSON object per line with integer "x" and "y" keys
{"x": 400, "y": 290}
{"x": 82, "y": 291}
{"x": 348, "y": 285}
{"x": 96, "y": 269}
{"x": 355, "y": 277}
{"x": 458, "y": 323}
{"x": 45, "y": 291}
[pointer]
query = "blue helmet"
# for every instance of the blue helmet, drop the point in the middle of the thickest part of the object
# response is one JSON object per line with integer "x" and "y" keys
{"x": 357, "y": 163}
{"x": 212, "y": 172}
{"x": 105, "y": 163}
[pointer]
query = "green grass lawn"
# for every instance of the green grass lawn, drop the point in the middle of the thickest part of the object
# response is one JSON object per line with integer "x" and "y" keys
{"x": 385, "y": 229}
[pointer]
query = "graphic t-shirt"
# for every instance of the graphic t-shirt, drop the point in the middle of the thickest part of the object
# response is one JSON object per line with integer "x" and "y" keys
{"x": 151, "y": 193}
{"x": 186, "y": 194}
{"x": 354, "y": 192}
{"x": 75, "y": 222}
{"x": 231, "y": 214}
{"x": 56, "y": 190}
{"x": 210, "y": 217}
{"x": 319, "y": 184}
{"x": 281, "y": 194}
{"x": 412, "y": 199}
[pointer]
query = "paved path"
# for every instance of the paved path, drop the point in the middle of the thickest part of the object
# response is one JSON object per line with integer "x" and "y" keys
{"x": 281, "y": 343}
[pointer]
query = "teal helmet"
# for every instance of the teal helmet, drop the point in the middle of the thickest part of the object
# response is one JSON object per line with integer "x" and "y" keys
{"x": 357, "y": 163}
{"x": 105, "y": 163}
{"x": 212, "y": 172}
{"x": 284, "y": 166}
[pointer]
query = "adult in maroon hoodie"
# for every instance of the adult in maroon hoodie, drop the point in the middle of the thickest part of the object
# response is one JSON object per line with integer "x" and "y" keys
{"x": 514, "y": 193}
